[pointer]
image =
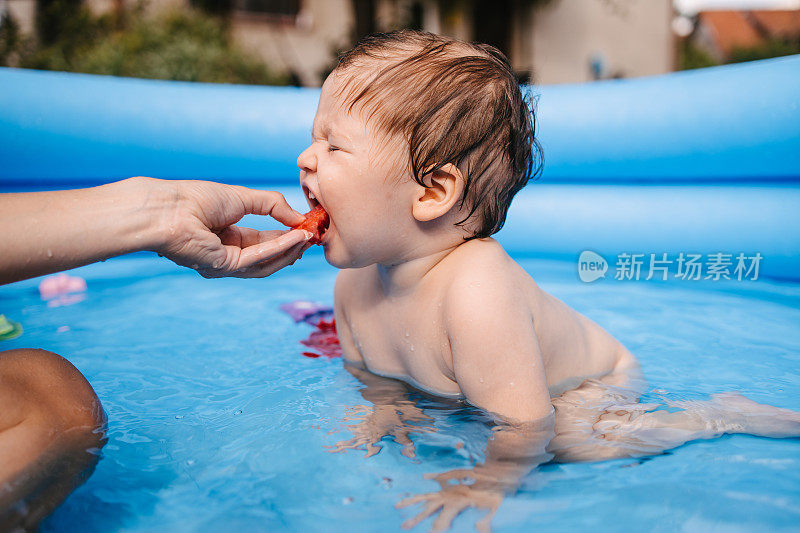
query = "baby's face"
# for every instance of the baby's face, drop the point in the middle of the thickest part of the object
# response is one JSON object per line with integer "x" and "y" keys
{"x": 361, "y": 177}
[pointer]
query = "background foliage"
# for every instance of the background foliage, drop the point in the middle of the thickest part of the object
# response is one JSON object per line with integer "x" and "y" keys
{"x": 185, "y": 44}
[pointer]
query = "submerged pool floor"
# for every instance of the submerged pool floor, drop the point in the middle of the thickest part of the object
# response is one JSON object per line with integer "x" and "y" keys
{"x": 218, "y": 423}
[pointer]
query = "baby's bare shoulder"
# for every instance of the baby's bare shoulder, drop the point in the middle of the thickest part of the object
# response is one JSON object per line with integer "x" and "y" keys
{"x": 480, "y": 257}
{"x": 484, "y": 261}
{"x": 481, "y": 272}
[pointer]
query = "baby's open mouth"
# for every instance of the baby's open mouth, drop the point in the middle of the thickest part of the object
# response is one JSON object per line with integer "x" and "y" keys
{"x": 317, "y": 220}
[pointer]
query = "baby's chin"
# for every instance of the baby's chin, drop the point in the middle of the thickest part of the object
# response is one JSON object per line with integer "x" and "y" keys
{"x": 337, "y": 255}
{"x": 341, "y": 262}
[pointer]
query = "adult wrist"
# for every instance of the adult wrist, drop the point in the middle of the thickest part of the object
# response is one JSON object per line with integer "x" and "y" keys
{"x": 152, "y": 205}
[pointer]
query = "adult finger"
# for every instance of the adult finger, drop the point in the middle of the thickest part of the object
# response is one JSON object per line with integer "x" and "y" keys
{"x": 269, "y": 267}
{"x": 268, "y": 203}
{"x": 282, "y": 258}
{"x": 244, "y": 237}
{"x": 264, "y": 251}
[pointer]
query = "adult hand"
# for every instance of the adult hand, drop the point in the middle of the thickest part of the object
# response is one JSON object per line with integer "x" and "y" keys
{"x": 200, "y": 232}
{"x": 190, "y": 222}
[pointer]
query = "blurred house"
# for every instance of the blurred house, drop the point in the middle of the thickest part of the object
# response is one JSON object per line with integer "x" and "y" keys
{"x": 547, "y": 41}
{"x": 559, "y": 41}
{"x": 23, "y": 12}
{"x": 720, "y": 33}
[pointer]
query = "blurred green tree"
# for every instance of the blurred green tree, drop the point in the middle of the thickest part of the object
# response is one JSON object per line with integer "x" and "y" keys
{"x": 691, "y": 56}
{"x": 771, "y": 48}
{"x": 183, "y": 44}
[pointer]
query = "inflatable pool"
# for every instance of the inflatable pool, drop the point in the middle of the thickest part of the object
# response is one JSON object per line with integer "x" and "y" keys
{"x": 699, "y": 161}
{"x": 216, "y": 420}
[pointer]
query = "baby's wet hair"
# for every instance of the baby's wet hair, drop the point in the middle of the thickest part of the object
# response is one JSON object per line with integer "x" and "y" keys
{"x": 454, "y": 102}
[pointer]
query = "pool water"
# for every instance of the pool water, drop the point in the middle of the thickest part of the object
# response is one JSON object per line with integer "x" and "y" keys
{"x": 218, "y": 423}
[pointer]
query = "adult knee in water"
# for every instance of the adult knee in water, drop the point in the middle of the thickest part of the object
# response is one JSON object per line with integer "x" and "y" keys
{"x": 51, "y": 427}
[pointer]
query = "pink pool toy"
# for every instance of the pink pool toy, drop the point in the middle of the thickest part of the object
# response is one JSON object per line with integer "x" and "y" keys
{"x": 62, "y": 289}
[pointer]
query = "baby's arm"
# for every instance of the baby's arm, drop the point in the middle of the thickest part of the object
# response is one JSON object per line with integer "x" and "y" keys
{"x": 497, "y": 361}
{"x": 390, "y": 412}
{"x": 498, "y": 365}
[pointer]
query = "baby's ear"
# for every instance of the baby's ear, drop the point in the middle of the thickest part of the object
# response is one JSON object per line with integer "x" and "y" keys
{"x": 443, "y": 189}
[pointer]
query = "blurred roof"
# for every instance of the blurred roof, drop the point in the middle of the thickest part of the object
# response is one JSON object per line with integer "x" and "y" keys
{"x": 783, "y": 24}
{"x": 730, "y": 29}
{"x": 744, "y": 29}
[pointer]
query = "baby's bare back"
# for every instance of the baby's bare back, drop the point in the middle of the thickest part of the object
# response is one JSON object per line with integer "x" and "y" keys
{"x": 573, "y": 346}
{"x": 405, "y": 335}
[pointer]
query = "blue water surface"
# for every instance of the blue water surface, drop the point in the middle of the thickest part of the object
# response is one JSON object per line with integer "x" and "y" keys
{"x": 217, "y": 423}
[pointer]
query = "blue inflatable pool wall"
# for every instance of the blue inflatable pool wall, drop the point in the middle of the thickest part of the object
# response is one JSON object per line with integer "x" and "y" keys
{"x": 696, "y": 161}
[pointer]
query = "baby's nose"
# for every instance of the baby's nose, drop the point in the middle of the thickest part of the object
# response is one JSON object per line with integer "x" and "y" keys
{"x": 307, "y": 161}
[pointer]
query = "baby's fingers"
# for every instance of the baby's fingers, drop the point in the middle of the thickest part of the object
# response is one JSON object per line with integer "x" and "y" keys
{"x": 484, "y": 525}
{"x": 357, "y": 412}
{"x": 446, "y": 517}
{"x": 341, "y": 446}
{"x": 408, "y": 446}
{"x": 371, "y": 450}
{"x": 409, "y": 451}
{"x": 413, "y": 500}
{"x": 430, "y": 508}
{"x": 443, "y": 477}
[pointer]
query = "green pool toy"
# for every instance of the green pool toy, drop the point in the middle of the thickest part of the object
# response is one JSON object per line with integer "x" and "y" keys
{"x": 8, "y": 329}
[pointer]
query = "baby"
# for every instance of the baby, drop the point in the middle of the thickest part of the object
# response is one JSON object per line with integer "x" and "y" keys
{"x": 419, "y": 144}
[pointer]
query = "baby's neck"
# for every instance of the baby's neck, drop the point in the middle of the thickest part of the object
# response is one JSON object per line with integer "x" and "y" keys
{"x": 400, "y": 278}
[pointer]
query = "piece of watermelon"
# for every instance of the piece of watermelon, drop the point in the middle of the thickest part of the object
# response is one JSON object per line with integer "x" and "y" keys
{"x": 317, "y": 221}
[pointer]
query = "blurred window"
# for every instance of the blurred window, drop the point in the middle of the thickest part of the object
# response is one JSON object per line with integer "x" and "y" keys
{"x": 416, "y": 15}
{"x": 493, "y": 22}
{"x": 365, "y": 18}
{"x": 281, "y": 8}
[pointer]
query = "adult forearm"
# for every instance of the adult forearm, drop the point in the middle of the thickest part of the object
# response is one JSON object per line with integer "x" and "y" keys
{"x": 46, "y": 232}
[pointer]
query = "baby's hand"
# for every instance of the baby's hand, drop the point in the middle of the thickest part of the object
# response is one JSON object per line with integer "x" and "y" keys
{"x": 374, "y": 423}
{"x": 453, "y": 499}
